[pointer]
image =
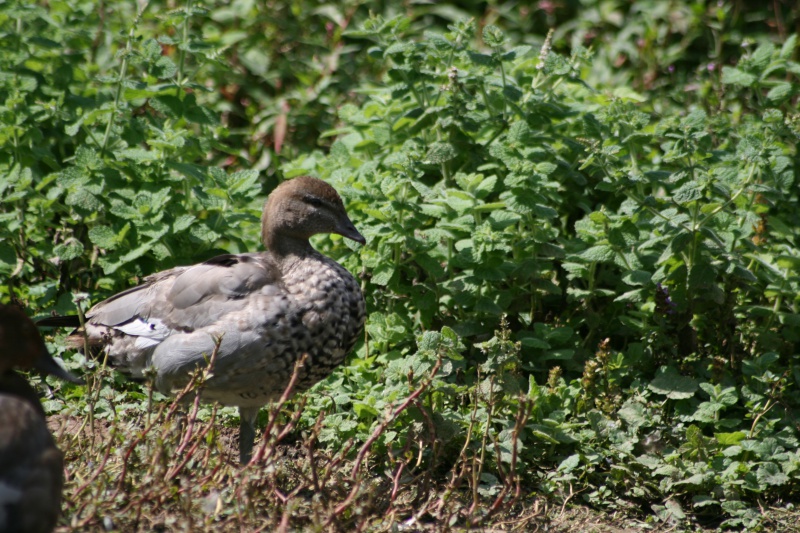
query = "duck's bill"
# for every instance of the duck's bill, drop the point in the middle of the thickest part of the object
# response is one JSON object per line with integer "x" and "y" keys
{"x": 48, "y": 365}
{"x": 356, "y": 236}
{"x": 349, "y": 231}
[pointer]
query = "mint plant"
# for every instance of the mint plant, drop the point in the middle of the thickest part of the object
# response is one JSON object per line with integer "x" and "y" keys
{"x": 630, "y": 252}
{"x": 582, "y": 269}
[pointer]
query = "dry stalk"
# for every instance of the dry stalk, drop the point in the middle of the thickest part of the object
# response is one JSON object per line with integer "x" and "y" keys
{"x": 354, "y": 477}
{"x": 200, "y": 378}
{"x": 511, "y": 480}
{"x": 266, "y": 437}
{"x": 478, "y": 464}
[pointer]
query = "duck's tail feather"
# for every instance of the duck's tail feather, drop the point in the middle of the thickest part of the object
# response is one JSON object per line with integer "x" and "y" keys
{"x": 65, "y": 321}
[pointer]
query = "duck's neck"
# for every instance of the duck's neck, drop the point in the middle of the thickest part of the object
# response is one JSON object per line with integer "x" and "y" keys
{"x": 286, "y": 248}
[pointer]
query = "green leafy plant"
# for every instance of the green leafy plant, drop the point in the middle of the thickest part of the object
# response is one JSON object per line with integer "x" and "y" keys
{"x": 497, "y": 187}
{"x": 582, "y": 269}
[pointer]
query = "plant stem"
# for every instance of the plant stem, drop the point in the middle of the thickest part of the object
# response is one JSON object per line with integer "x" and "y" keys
{"x": 122, "y": 70}
{"x": 182, "y": 50}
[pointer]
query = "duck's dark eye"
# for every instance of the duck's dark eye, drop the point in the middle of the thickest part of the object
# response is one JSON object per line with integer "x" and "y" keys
{"x": 312, "y": 200}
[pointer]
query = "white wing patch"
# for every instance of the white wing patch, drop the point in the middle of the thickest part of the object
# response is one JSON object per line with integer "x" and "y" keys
{"x": 148, "y": 332}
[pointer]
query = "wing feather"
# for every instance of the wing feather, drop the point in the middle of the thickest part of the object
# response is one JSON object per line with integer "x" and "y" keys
{"x": 214, "y": 297}
{"x": 187, "y": 298}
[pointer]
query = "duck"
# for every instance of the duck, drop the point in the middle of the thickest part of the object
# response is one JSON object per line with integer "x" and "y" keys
{"x": 31, "y": 465}
{"x": 266, "y": 310}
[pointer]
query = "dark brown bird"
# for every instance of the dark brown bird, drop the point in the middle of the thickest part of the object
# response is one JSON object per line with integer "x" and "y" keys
{"x": 31, "y": 466}
{"x": 268, "y": 308}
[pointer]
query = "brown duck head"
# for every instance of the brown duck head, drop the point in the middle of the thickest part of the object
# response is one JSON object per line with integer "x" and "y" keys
{"x": 22, "y": 347}
{"x": 300, "y": 208}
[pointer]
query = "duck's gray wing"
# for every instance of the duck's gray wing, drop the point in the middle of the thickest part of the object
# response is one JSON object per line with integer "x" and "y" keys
{"x": 189, "y": 297}
{"x": 251, "y": 343}
{"x": 182, "y": 302}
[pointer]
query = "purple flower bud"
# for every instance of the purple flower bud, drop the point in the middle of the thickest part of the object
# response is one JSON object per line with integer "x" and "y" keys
{"x": 664, "y": 303}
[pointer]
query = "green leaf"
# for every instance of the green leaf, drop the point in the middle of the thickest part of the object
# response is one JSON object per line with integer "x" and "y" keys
{"x": 364, "y": 410}
{"x": 530, "y": 341}
{"x": 103, "y": 237}
{"x": 519, "y": 132}
{"x": 440, "y": 152}
{"x": 780, "y": 92}
{"x": 597, "y": 254}
{"x": 546, "y": 168}
{"x": 87, "y": 158}
{"x": 83, "y": 199}
{"x": 570, "y": 463}
{"x": 787, "y": 50}
{"x": 673, "y": 385}
{"x": 429, "y": 340}
{"x": 730, "y": 439}
{"x": 8, "y": 257}
{"x": 382, "y": 274}
{"x": 138, "y": 155}
{"x": 169, "y": 105}
{"x": 243, "y": 183}
{"x": 69, "y": 250}
{"x": 182, "y": 222}
{"x": 493, "y": 36}
{"x": 637, "y": 277}
{"x": 734, "y": 76}
{"x": 203, "y": 233}
{"x": 633, "y": 413}
{"x": 762, "y": 55}
{"x": 689, "y": 192}
{"x": 771, "y": 474}
{"x": 517, "y": 52}
{"x": 480, "y": 59}
{"x": 486, "y": 186}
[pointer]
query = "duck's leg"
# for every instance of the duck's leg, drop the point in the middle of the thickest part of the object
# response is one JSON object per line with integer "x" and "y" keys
{"x": 247, "y": 432}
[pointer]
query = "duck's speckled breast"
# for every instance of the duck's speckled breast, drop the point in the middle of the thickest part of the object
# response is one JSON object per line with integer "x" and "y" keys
{"x": 331, "y": 306}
